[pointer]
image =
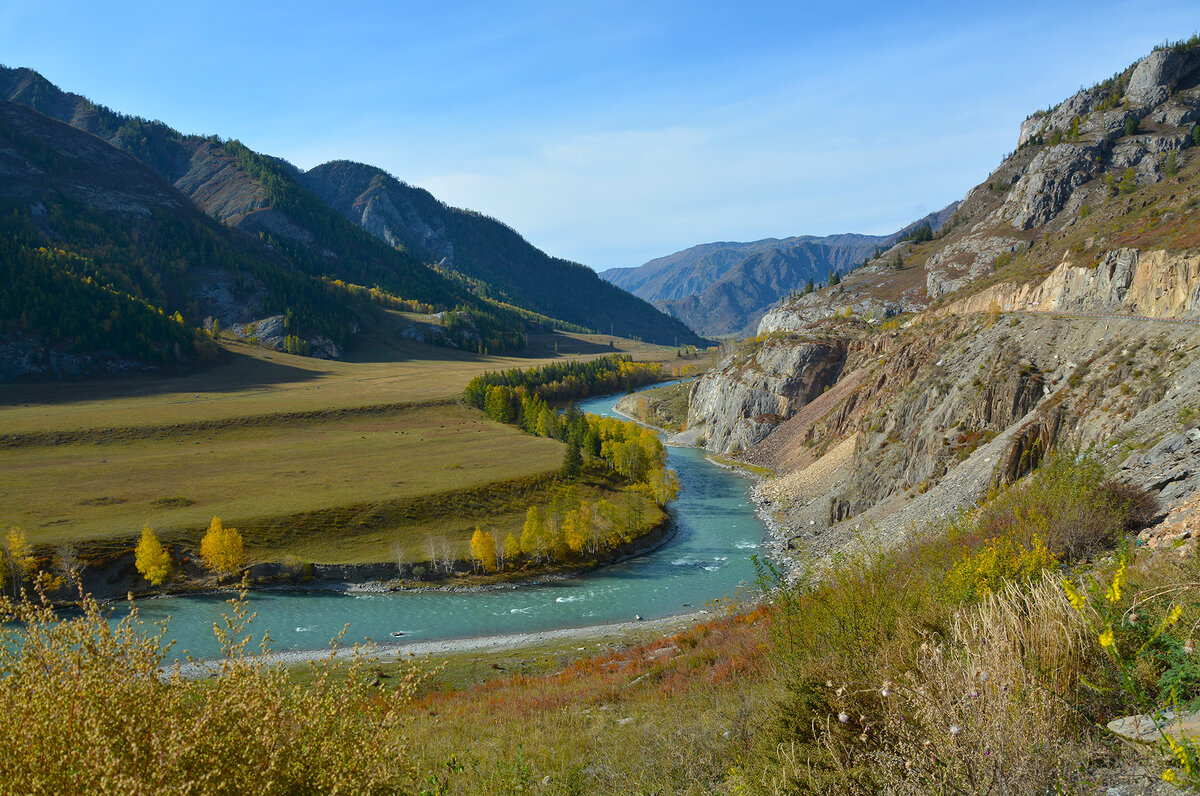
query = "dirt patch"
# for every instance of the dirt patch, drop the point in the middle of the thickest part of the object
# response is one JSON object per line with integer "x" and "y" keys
{"x": 788, "y": 448}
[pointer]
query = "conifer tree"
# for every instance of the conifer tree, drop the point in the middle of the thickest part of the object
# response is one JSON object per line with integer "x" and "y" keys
{"x": 572, "y": 460}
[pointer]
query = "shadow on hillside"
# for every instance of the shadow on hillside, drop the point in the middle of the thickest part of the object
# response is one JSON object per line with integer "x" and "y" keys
{"x": 370, "y": 349}
{"x": 548, "y": 344}
{"x": 235, "y": 371}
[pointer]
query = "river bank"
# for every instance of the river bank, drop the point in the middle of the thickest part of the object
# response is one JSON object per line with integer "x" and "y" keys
{"x": 603, "y": 634}
{"x": 714, "y": 531}
{"x": 777, "y": 544}
{"x": 119, "y": 580}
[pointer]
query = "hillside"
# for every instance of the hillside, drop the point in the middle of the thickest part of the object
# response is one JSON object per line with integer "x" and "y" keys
{"x": 724, "y": 288}
{"x": 270, "y": 199}
{"x": 485, "y": 249}
{"x": 1056, "y": 307}
{"x": 101, "y": 251}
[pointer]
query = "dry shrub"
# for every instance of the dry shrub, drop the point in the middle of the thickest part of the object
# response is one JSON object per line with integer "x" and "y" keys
{"x": 999, "y": 707}
{"x": 1140, "y": 507}
{"x": 996, "y": 706}
{"x": 1067, "y": 504}
{"x": 89, "y": 709}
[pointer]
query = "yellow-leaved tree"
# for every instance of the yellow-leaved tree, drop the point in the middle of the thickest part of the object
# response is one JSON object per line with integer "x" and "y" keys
{"x": 483, "y": 550}
{"x": 152, "y": 559}
{"x": 512, "y": 549}
{"x": 22, "y": 564}
{"x": 221, "y": 548}
{"x": 533, "y": 535}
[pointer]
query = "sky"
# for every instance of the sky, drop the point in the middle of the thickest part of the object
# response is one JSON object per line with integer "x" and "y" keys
{"x": 610, "y": 133}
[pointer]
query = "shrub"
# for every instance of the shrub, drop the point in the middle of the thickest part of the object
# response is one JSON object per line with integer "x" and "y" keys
{"x": 1003, "y": 561}
{"x": 949, "y": 664}
{"x": 1128, "y": 183}
{"x": 1137, "y": 506}
{"x": 1067, "y": 505}
{"x": 93, "y": 699}
{"x": 1171, "y": 164}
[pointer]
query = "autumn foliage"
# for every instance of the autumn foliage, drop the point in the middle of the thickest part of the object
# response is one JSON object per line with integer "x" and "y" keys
{"x": 151, "y": 559}
{"x": 89, "y": 709}
{"x": 222, "y": 548}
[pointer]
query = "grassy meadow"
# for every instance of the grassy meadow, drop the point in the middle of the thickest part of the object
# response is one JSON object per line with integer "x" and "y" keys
{"x": 346, "y": 461}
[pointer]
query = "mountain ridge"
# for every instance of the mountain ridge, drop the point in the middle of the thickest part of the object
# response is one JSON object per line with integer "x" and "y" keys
{"x": 486, "y": 249}
{"x": 724, "y": 288}
{"x": 268, "y": 198}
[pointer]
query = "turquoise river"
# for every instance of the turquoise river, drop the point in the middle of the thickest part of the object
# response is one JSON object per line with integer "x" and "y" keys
{"x": 716, "y": 533}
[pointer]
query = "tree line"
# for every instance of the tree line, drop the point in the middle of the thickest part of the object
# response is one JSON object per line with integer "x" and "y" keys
{"x": 569, "y": 527}
{"x": 558, "y": 381}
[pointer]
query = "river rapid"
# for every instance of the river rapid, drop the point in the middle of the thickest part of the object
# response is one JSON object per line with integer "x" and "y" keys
{"x": 707, "y": 558}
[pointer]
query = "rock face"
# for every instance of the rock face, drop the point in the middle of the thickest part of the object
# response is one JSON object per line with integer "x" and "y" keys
{"x": 970, "y": 259}
{"x": 742, "y": 400}
{"x": 1044, "y": 190}
{"x": 390, "y": 210}
{"x": 1154, "y": 284}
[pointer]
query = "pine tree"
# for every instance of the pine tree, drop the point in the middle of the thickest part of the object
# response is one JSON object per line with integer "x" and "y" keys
{"x": 152, "y": 559}
{"x": 547, "y": 424}
{"x": 572, "y": 460}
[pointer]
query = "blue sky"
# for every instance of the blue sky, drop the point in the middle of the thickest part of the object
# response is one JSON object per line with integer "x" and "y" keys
{"x": 610, "y": 132}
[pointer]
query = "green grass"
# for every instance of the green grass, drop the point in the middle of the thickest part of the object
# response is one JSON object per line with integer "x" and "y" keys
{"x": 329, "y": 461}
{"x": 83, "y": 491}
{"x": 750, "y": 468}
{"x": 253, "y": 381}
{"x": 664, "y": 407}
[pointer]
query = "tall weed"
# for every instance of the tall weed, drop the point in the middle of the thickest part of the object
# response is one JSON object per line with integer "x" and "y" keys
{"x": 89, "y": 708}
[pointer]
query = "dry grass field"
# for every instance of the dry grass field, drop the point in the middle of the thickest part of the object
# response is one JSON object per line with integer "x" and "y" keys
{"x": 331, "y": 461}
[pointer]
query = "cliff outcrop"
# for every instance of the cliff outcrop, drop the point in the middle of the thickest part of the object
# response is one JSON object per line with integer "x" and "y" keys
{"x": 739, "y": 403}
{"x": 1053, "y": 310}
{"x": 1152, "y": 284}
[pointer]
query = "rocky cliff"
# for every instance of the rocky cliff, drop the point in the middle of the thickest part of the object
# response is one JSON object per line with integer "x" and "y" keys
{"x": 739, "y": 403}
{"x": 1055, "y": 309}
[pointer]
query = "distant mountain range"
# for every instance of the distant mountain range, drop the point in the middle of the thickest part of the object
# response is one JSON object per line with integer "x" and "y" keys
{"x": 724, "y": 288}
{"x": 134, "y": 203}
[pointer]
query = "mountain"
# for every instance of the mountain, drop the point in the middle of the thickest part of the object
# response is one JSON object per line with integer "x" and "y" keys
{"x": 98, "y": 252}
{"x": 724, "y": 288}
{"x": 1096, "y": 179}
{"x": 1056, "y": 308}
{"x": 268, "y": 204}
{"x": 487, "y": 250}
